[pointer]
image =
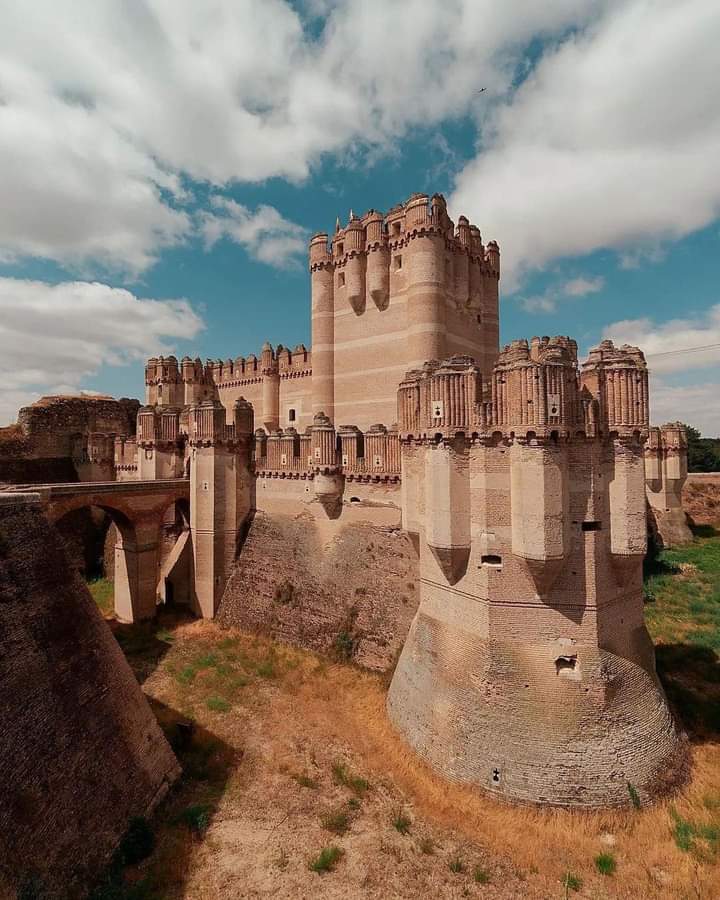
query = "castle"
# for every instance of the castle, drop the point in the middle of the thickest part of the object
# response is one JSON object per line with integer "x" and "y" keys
{"x": 520, "y": 477}
{"x": 389, "y": 293}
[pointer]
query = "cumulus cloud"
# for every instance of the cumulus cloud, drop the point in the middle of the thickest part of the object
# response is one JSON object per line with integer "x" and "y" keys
{"x": 108, "y": 108}
{"x": 52, "y": 337}
{"x": 694, "y": 404}
{"x": 611, "y": 142}
{"x": 675, "y": 345}
{"x": 547, "y": 302}
{"x": 265, "y": 233}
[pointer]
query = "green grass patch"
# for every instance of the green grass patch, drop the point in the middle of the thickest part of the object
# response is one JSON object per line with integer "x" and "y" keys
{"x": 571, "y": 882}
{"x": 689, "y": 836}
{"x": 326, "y": 860}
{"x": 306, "y": 781}
{"x": 348, "y": 779}
{"x": 338, "y": 822}
{"x": 103, "y": 593}
{"x": 605, "y": 863}
{"x": 217, "y": 704}
{"x": 196, "y": 818}
{"x": 481, "y": 875}
{"x": 401, "y": 822}
{"x": 683, "y": 617}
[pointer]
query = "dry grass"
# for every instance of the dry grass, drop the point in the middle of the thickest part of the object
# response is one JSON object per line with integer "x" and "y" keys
{"x": 293, "y": 747}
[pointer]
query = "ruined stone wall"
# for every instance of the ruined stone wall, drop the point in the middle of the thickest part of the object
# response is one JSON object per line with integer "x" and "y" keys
{"x": 701, "y": 497}
{"x": 347, "y": 586}
{"x": 81, "y": 752}
{"x": 53, "y": 423}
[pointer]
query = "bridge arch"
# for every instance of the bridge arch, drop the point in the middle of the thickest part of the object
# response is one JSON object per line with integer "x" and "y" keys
{"x": 137, "y": 509}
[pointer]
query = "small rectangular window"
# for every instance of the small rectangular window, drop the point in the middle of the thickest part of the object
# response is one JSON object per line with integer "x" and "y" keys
{"x": 291, "y": 415}
{"x": 397, "y": 262}
{"x": 396, "y": 228}
{"x": 591, "y": 526}
{"x": 340, "y": 249}
{"x": 341, "y": 279}
{"x": 491, "y": 560}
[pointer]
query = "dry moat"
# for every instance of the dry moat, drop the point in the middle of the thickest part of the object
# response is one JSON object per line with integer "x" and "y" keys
{"x": 295, "y": 785}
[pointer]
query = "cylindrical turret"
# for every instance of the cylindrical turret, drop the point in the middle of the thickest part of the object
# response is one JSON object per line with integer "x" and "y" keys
{"x": 354, "y": 269}
{"x": 423, "y": 261}
{"x": 378, "y": 261}
{"x": 270, "y": 388}
{"x": 323, "y": 326}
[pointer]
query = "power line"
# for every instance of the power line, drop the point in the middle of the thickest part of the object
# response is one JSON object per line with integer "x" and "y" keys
{"x": 687, "y": 350}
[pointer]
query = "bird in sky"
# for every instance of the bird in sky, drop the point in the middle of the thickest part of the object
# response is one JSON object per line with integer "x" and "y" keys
{"x": 481, "y": 90}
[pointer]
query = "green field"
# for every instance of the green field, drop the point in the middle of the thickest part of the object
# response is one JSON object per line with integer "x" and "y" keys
{"x": 682, "y": 591}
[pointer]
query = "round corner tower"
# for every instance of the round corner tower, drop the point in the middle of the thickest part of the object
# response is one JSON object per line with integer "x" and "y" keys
{"x": 528, "y": 670}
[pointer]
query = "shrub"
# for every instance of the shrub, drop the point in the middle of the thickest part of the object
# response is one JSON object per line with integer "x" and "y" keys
{"x": 344, "y": 645}
{"x": 605, "y": 863}
{"x": 337, "y": 822}
{"x": 634, "y": 796}
{"x": 480, "y": 875}
{"x": 196, "y": 818}
{"x": 571, "y": 882}
{"x": 402, "y": 823}
{"x": 326, "y": 860}
{"x": 137, "y": 843}
{"x": 217, "y": 704}
{"x": 305, "y": 781}
{"x": 457, "y": 865}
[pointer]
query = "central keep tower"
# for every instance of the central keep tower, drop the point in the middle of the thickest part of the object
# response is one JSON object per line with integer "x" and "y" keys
{"x": 390, "y": 292}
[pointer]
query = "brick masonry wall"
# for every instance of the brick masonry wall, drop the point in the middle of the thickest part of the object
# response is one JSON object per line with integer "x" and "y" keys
{"x": 81, "y": 752}
{"x": 347, "y": 586}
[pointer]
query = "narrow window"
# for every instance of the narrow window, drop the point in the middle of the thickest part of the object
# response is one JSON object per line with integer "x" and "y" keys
{"x": 291, "y": 415}
{"x": 398, "y": 262}
{"x": 340, "y": 248}
{"x": 396, "y": 228}
{"x": 341, "y": 279}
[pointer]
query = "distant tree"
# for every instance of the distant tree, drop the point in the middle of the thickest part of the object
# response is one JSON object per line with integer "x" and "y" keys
{"x": 703, "y": 453}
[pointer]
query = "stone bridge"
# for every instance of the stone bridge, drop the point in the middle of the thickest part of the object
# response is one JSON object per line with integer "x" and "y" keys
{"x": 137, "y": 508}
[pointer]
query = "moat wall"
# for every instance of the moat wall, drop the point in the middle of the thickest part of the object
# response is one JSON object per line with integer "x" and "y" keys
{"x": 346, "y": 586}
{"x": 81, "y": 752}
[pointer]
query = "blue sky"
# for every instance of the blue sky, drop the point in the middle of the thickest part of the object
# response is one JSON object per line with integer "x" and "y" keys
{"x": 162, "y": 170}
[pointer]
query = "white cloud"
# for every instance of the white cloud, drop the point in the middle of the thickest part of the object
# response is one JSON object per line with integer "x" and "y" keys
{"x": 612, "y": 141}
{"x": 663, "y": 343}
{"x": 107, "y": 108}
{"x": 694, "y": 404}
{"x": 580, "y": 287}
{"x": 52, "y": 337}
{"x": 576, "y": 287}
{"x": 265, "y": 234}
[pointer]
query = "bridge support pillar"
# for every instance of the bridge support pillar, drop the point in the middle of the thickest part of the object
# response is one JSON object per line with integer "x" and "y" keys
{"x": 136, "y": 572}
{"x": 222, "y": 496}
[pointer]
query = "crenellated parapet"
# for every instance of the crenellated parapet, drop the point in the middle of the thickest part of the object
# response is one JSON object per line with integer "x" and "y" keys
{"x": 526, "y": 492}
{"x": 665, "y": 476}
{"x": 159, "y": 442}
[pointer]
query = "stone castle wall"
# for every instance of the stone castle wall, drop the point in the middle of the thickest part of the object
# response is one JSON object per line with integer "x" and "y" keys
{"x": 81, "y": 752}
{"x": 347, "y": 586}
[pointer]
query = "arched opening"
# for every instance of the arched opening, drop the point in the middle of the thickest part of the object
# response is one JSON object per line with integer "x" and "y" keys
{"x": 92, "y": 535}
{"x": 175, "y": 565}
